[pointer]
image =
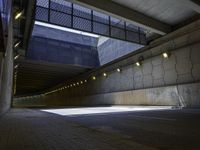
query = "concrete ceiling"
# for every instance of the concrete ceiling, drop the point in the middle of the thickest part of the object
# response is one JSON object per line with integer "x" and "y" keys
{"x": 35, "y": 77}
{"x": 170, "y": 12}
{"x": 157, "y": 16}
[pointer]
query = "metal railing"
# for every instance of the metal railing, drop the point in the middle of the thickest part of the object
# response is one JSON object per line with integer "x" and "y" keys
{"x": 67, "y": 14}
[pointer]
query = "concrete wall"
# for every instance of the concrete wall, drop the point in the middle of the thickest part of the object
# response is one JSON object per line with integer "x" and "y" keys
{"x": 55, "y": 45}
{"x": 112, "y": 49}
{"x": 45, "y": 49}
{"x": 159, "y": 81}
{"x": 65, "y": 36}
{"x": 181, "y": 95}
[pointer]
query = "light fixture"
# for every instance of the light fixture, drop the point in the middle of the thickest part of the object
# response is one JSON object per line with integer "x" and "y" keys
{"x": 81, "y": 82}
{"x": 77, "y": 83}
{"x": 18, "y": 15}
{"x": 165, "y": 55}
{"x": 17, "y": 44}
{"x": 118, "y": 70}
{"x": 74, "y": 84}
{"x": 71, "y": 85}
{"x": 85, "y": 81}
{"x": 104, "y": 74}
{"x": 93, "y": 78}
{"x": 138, "y": 63}
{"x": 16, "y": 66}
{"x": 16, "y": 57}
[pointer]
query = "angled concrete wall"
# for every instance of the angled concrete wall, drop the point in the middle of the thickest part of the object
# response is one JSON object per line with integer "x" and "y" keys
{"x": 112, "y": 49}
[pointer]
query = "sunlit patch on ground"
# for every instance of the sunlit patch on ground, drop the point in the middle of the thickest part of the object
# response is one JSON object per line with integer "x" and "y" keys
{"x": 99, "y": 110}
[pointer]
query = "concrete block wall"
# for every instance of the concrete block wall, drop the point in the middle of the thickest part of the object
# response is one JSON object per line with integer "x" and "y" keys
{"x": 158, "y": 81}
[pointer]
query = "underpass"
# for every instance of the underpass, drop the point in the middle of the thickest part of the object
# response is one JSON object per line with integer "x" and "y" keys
{"x": 99, "y": 74}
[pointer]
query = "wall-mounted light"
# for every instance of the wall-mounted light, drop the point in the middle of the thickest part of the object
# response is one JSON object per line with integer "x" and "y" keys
{"x": 17, "y": 44}
{"x": 71, "y": 85}
{"x": 118, "y": 70}
{"x": 16, "y": 57}
{"x": 81, "y": 82}
{"x": 18, "y": 14}
{"x": 74, "y": 84}
{"x": 141, "y": 58}
{"x": 77, "y": 83}
{"x": 165, "y": 55}
{"x": 104, "y": 74}
{"x": 93, "y": 78}
{"x": 16, "y": 66}
{"x": 138, "y": 63}
{"x": 85, "y": 81}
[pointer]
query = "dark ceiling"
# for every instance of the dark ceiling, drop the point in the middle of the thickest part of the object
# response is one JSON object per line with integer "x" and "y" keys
{"x": 34, "y": 77}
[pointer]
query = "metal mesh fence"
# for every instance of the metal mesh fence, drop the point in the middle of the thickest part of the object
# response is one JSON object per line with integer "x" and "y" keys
{"x": 67, "y": 14}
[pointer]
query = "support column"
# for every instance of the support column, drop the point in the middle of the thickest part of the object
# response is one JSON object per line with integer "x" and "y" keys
{"x": 6, "y": 81}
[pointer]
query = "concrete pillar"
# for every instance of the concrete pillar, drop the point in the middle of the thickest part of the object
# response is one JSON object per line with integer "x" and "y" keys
{"x": 6, "y": 81}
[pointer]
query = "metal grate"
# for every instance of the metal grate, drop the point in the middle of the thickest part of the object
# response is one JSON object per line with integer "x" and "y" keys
{"x": 60, "y": 18}
{"x": 99, "y": 28}
{"x": 43, "y": 3}
{"x": 67, "y": 14}
{"x": 41, "y": 14}
{"x": 62, "y": 6}
{"x": 82, "y": 24}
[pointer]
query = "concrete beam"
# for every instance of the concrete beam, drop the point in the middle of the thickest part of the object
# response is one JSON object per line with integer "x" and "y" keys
{"x": 2, "y": 48}
{"x": 29, "y": 23}
{"x": 193, "y": 4}
{"x": 127, "y": 14}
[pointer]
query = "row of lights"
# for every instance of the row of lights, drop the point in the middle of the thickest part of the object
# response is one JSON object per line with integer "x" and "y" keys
{"x": 18, "y": 15}
{"x": 138, "y": 64}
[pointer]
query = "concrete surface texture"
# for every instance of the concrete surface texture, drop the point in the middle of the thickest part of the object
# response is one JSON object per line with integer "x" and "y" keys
{"x": 65, "y": 36}
{"x": 54, "y": 45}
{"x": 182, "y": 96}
{"x": 50, "y": 50}
{"x": 112, "y": 49}
{"x": 152, "y": 8}
{"x": 171, "y": 81}
{"x": 6, "y": 80}
{"x": 25, "y": 129}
